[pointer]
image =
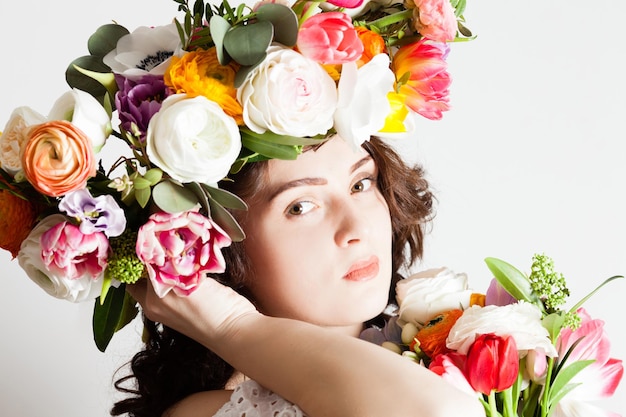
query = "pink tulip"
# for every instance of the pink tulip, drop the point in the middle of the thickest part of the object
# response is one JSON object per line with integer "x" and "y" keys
{"x": 348, "y": 4}
{"x": 426, "y": 90}
{"x": 69, "y": 253}
{"x": 598, "y": 380}
{"x": 180, "y": 249}
{"x": 330, "y": 38}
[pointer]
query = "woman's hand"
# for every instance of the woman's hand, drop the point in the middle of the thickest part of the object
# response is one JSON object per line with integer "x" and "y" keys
{"x": 207, "y": 315}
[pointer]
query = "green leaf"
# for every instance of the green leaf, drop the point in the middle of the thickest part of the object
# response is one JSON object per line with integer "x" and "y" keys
{"x": 283, "y": 19}
{"x": 513, "y": 281}
{"x": 268, "y": 149}
{"x": 117, "y": 310}
{"x": 142, "y": 195}
{"x": 173, "y": 198}
{"x": 563, "y": 377}
{"x": 225, "y": 198}
{"x": 219, "y": 27}
{"x": 272, "y": 137}
{"x": 105, "y": 38}
{"x": 153, "y": 175}
{"x": 226, "y": 221}
{"x": 588, "y": 296}
{"x": 201, "y": 195}
{"x": 248, "y": 44}
{"x": 78, "y": 79}
{"x": 553, "y": 323}
{"x": 140, "y": 183}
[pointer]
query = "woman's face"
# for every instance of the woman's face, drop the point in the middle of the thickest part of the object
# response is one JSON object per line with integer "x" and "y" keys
{"x": 319, "y": 238}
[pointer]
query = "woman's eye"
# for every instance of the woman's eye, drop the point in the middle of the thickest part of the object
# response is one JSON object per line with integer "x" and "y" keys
{"x": 362, "y": 185}
{"x": 299, "y": 208}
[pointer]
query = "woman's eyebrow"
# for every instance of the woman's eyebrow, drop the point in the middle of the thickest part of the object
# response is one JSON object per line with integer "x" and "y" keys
{"x": 312, "y": 180}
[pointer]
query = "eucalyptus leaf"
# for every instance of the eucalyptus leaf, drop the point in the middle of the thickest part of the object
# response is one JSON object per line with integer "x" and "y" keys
{"x": 564, "y": 376}
{"x": 201, "y": 195}
{"x": 248, "y": 44}
{"x": 283, "y": 19}
{"x": 268, "y": 149}
{"x": 242, "y": 74}
{"x": 173, "y": 198}
{"x": 225, "y": 198}
{"x": 219, "y": 27}
{"x": 512, "y": 280}
{"x": 78, "y": 79}
{"x": 226, "y": 221}
{"x": 105, "y": 38}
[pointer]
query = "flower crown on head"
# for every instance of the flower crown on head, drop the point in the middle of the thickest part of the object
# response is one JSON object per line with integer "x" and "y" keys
{"x": 194, "y": 101}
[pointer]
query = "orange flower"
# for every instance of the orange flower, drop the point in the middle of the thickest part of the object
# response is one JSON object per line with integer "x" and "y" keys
{"x": 199, "y": 73}
{"x": 17, "y": 218}
{"x": 432, "y": 337}
{"x": 373, "y": 44}
{"x": 58, "y": 158}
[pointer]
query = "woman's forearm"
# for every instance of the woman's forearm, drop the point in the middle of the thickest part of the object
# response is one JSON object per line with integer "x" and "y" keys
{"x": 331, "y": 374}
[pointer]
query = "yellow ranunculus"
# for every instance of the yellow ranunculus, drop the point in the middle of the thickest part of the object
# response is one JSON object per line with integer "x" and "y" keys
{"x": 394, "y": 123}
{"x": 199, "y": 73}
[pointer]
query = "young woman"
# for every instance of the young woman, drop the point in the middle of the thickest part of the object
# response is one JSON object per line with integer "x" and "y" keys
{"x": 326, "y": 236}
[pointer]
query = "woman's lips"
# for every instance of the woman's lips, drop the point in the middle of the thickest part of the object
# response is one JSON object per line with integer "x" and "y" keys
{"x": 363, "y": 270}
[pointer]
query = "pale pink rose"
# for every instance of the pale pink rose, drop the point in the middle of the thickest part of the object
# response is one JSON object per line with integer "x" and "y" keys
{"x": 329, "y": 38}
{"x": 435, "y": 19}
{"x": 64, "y": 262}
{"x": 180, "y": 249}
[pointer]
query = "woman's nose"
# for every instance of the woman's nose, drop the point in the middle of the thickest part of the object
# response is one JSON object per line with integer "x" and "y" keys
{"x": 352, "y": 224}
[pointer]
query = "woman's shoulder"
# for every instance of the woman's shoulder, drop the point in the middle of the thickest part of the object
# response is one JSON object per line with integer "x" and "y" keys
{"x": 200, "y": 404}
{"x": 248, "y": 398}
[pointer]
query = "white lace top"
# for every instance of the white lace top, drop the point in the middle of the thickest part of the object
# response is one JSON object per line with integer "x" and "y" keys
{"x": 249, "y": 399}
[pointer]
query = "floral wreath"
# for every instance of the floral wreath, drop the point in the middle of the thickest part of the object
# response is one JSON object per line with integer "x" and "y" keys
{"x": 194, "y": 101}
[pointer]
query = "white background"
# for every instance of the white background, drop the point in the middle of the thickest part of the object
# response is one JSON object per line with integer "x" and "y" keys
{"x": 531, "y": 159}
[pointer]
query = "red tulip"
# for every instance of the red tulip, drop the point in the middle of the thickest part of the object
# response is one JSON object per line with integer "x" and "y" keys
{"x": 492, "y": 363}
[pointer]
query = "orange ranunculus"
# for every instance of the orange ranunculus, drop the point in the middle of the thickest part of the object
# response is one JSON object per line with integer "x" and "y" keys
{"x": 17, "y": 218}
{"x": 423, "y": 67}
{"x": 432, "y": 337}
{"x": 199, "y": 73}
{"x": 58, "y": 158}
{"x": 373, "y": 44}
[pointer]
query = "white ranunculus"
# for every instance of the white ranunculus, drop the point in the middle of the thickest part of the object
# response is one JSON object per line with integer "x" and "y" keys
{"x": 147, "y": 50}
{"x": 288, "y": 94}
{"x": 428, "y": 293}
{"x": 15, "y": 135}
{"x": 86, "y": 113}
{"x": 29, "y": 258}
{"x": 362, "y": 105}
{"x": 192, "y": 139}
{"x": 521, "y": 320}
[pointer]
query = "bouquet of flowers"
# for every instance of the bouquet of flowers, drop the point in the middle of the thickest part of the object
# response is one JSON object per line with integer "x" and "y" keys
{"x": 514, "y": 347}
{"x": 192, "y": 102}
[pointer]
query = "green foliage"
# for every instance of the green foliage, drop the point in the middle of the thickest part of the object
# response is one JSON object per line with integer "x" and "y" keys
{"x": 116, "y": 311}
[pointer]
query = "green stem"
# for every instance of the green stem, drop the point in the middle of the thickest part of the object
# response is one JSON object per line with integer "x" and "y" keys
{"x": 507, "y": 402}
{"x": 546, "y": 391}
{"x": 493, "y": 409}
{"x": 391, "y": 19}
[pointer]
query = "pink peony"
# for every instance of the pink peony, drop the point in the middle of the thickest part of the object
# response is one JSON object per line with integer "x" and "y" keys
{"x": 435, "y": 19}
{"x": 68, "y": 252}
{"x": 179, "y": 249}
{"x": 426, "y": 90}
{"x": 330, "y": 38}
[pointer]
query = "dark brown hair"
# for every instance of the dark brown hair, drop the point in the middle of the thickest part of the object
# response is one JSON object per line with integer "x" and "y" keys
{"x": 173, "y": 366}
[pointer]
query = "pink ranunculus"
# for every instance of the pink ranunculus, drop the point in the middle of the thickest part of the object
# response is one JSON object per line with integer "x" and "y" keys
{"x": 427, "y": 89}
{"x": 329, "y": 38}
{"x": 435, "y": 20}
{"x": 68, "y": 252}
{"x": 598, "y": 380}
{"x": 180, "y": 249}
